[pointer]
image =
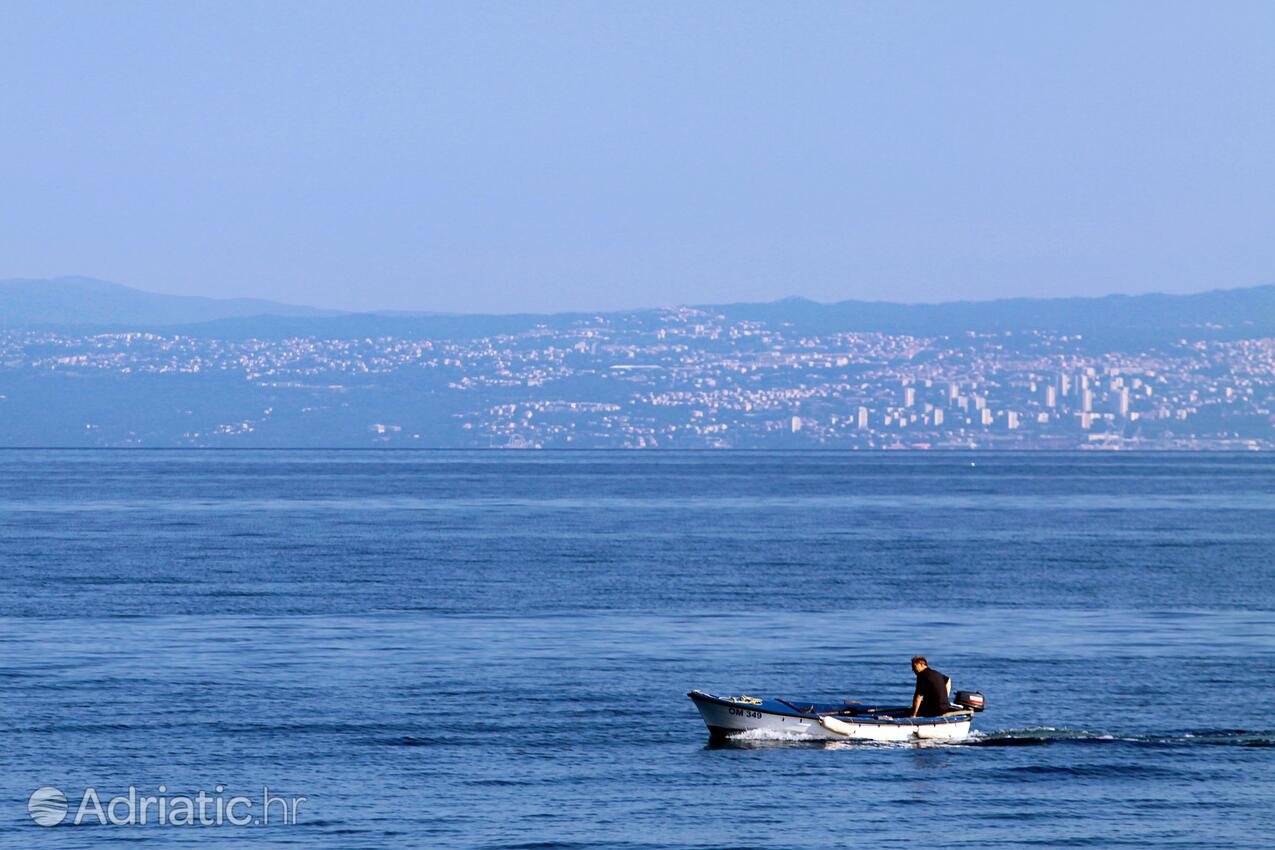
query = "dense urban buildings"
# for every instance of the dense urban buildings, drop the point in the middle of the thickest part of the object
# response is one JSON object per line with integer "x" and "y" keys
{"x": 676, "y": 378}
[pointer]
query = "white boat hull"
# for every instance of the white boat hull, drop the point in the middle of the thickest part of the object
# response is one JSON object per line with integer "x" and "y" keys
{"x": 726, "y": 719}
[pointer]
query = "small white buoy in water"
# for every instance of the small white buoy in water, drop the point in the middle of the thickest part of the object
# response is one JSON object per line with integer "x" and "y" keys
{"x": 971, "y": 463}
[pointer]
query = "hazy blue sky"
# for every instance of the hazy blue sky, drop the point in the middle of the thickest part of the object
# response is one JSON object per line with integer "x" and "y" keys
{"x": 539, "y": 155}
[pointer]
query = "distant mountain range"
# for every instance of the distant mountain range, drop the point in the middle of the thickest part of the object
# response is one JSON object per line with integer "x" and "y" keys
{"x": 87, "y": 304}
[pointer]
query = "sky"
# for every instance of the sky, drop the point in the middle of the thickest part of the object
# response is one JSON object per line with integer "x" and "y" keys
{"x": 543, "y": 156}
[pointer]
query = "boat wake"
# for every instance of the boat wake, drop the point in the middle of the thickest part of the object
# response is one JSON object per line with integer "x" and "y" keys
{"x": 765, "y": 738}
{"x": 1046, "y": 735}
{"x": 1030, "y": 737}
{"x": 774, "y": 736}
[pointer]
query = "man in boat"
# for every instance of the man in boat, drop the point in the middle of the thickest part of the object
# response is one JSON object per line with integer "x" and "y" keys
{"x": 932, "y": 689}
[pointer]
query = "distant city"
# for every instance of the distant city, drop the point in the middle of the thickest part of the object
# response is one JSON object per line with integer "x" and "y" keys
{"x": 678, "y": 378}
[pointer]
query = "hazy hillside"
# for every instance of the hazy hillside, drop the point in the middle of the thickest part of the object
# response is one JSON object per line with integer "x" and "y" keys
{"x": 86, "y": 301}
{"x": 1245, "y": 312}
{"x": 1114, "y": 320}
{"x": 1157, "y": 372}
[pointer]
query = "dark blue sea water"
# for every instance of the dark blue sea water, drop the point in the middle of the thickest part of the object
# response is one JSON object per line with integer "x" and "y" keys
{"x": 493, "y": 649}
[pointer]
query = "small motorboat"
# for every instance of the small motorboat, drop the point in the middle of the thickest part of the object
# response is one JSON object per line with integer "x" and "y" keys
{"x": 764, "y": 717}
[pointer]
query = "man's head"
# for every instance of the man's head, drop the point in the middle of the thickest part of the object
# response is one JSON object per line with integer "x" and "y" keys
{"x": 919, "y": 663}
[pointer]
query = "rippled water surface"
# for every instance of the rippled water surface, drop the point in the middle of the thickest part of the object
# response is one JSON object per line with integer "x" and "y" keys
{"x": 493, "y": 649}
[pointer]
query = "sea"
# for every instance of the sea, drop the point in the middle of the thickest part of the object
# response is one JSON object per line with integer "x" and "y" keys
{"x": 414, "y": 649}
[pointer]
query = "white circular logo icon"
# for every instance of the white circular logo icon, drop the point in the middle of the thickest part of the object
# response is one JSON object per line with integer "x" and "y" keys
{"x": 47, "y": 806}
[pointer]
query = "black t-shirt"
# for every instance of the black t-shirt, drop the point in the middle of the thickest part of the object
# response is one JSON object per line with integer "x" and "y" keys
{"x": 932, "y": 687}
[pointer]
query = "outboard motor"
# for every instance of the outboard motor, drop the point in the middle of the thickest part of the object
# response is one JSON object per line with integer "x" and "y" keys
{"x": 969, "y": 699}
